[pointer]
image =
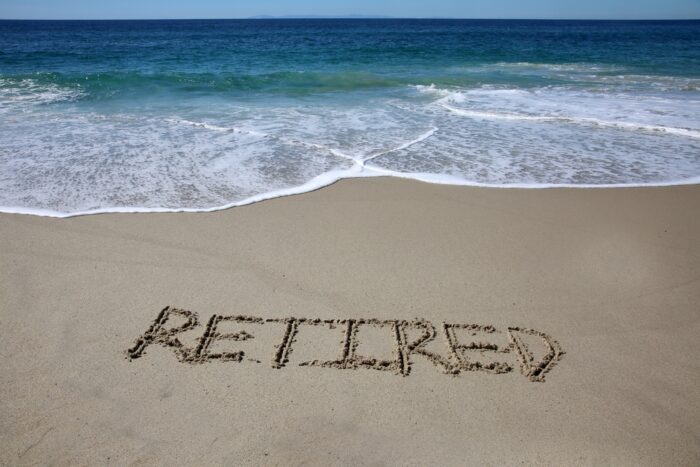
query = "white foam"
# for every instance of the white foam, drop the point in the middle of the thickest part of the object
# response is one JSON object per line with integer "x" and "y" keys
{"x": 447, "y": 179}
{"x": 209, "y": 126}
{"x": 617, "y": 76}
{"x": 62, "y": 163}
{"x": 676, "y": 116}
{"x": 315, "y": 183}
{"x": 329, "y": 178}
{"x": 687, "y": 132}
{"x": 632, "y": 126}
{"x": 26, "y": 94}
{"x": 432, "y": 89}
{"x": 418, "y": 139}
{"x": 494, "y": 115}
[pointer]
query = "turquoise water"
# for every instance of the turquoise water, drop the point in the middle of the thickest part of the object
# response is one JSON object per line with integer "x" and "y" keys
{"x": 197, "y": 115}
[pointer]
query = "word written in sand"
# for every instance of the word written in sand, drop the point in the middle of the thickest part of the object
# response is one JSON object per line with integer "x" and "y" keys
{"x": 536, "y": 352}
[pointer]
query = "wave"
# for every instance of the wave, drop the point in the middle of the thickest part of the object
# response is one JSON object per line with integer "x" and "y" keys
{"x": 180, "y": 156}
{"x": 420, "y": 138}
{"x": 212, "y": 127}
{"x": 329, "y": 178}
{"x": 487, "y": 104}
{"x": 359, "y": 159}
{"x": 20, "y": 93}
{"x": 57, "y": 87}
{"x": 320, "y": 181}
{"x": 101, "y": 85}
{"x": 631, "y": 126}
{"x": 571, "y": 67}
{"x": 599, "y": 75}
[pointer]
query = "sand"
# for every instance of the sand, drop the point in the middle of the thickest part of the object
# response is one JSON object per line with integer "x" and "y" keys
{"x": 558, "y": 326}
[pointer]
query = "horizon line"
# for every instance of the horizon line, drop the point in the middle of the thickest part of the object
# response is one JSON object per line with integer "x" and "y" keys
{"x": 347, "y": 17}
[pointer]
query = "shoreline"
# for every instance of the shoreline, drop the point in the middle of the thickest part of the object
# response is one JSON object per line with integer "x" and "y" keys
{"x": 328, "y": 179}
{"x": 374, "y": 321}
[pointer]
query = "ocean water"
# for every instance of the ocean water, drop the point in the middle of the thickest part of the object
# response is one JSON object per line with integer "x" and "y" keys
{"x": 102, "y": 116}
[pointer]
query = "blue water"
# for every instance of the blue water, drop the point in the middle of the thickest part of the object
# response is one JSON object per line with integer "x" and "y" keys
{"x": 196, "y": 115}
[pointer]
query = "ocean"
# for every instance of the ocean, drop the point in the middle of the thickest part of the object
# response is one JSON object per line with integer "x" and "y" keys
{"x": 198, "y": 115}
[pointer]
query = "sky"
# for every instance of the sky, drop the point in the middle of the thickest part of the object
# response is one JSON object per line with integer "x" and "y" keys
{"x": 170, "y": 9}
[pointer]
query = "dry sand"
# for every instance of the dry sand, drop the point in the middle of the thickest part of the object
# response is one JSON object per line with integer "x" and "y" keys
{"x": 611, "y": 275}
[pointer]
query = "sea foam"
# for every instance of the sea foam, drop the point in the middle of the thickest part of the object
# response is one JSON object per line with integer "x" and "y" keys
{"x": 61, "y": 161}
{"x": 120, "y": 122}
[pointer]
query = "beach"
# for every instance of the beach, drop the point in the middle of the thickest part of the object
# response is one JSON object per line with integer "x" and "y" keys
{"x": 601, "y": 286}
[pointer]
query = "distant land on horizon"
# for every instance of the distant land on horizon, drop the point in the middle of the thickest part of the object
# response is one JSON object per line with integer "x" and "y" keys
{"x": 321, "y": 17}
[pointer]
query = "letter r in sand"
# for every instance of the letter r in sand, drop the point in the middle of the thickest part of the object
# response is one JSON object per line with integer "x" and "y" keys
{"x": 157, "y": 333}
